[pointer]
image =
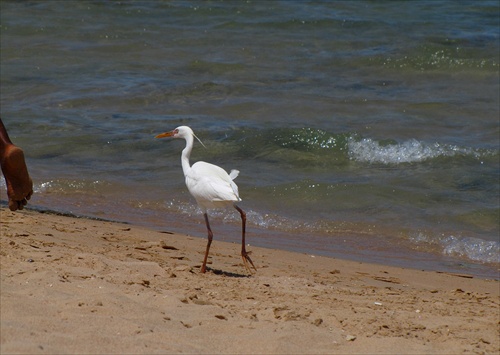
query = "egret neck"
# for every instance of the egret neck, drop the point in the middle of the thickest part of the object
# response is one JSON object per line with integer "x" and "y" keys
{"x": 186, "y": 153}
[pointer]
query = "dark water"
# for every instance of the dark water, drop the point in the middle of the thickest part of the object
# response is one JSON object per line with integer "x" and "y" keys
{"x": 362, "y": 129}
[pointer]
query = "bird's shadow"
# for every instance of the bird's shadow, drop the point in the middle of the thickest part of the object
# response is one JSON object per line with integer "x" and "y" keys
{"x": 228, "y": 273}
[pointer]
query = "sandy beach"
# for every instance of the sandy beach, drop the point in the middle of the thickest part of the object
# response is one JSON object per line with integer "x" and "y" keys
{"x": 76, "y": 285}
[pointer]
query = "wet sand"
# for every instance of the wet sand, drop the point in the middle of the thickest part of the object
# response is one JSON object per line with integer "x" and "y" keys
{"x": 75, "y": 285}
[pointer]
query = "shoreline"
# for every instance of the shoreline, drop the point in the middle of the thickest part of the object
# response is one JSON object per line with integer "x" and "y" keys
{"x": 73, "y": 284}
{"x": 388, "y": 254}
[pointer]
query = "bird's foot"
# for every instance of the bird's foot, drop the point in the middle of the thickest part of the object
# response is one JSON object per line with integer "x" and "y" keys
{"x": 247, "y": 261}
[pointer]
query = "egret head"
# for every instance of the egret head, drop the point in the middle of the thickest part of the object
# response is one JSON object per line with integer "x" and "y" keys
{"x": 180, "y": 132}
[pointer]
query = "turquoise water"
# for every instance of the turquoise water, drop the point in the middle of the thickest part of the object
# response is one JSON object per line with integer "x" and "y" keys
{"x": 361, "y": 129}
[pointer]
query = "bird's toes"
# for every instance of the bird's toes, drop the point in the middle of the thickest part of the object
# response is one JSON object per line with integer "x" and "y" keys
{"x": 246, "y": 261}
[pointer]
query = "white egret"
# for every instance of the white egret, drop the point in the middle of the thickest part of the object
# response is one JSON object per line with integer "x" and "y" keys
{"x": 211, "y": 186}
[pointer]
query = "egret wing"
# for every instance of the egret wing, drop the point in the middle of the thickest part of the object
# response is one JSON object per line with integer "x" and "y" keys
{"x": 210, "y": 183}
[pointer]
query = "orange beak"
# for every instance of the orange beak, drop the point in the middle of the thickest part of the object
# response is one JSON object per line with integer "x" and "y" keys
{"x": 166, "y": 134}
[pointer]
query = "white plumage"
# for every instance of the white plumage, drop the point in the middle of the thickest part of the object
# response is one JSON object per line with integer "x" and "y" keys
{"x": 211, "y": 186}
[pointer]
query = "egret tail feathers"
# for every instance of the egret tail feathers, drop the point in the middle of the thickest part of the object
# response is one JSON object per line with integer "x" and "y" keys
{"x": 234, "y": 174}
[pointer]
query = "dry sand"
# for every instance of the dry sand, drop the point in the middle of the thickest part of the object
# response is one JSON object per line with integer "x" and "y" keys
{"x": 73, "y": 285}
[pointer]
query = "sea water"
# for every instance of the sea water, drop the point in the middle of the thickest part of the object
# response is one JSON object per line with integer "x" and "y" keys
{"x": 366, "y": 130}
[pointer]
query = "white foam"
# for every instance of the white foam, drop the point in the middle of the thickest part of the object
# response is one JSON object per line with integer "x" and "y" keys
{"x": 472, "y": 248}
{"x": 475, "y": 249}
{"x": 229, "y": 215}
{"x": 68, "y": 186}
{"x": 410, "y": 151}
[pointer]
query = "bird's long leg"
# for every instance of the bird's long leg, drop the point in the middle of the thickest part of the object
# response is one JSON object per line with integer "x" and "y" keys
{"x": 210, "y": 237}
{"x": 244, "y": 254}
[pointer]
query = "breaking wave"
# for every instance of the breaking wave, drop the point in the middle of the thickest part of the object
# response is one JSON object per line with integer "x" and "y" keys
{"x": 411, "y": 151}
{"x": 479, "y": 250}
{"x": 300, "y": 146}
